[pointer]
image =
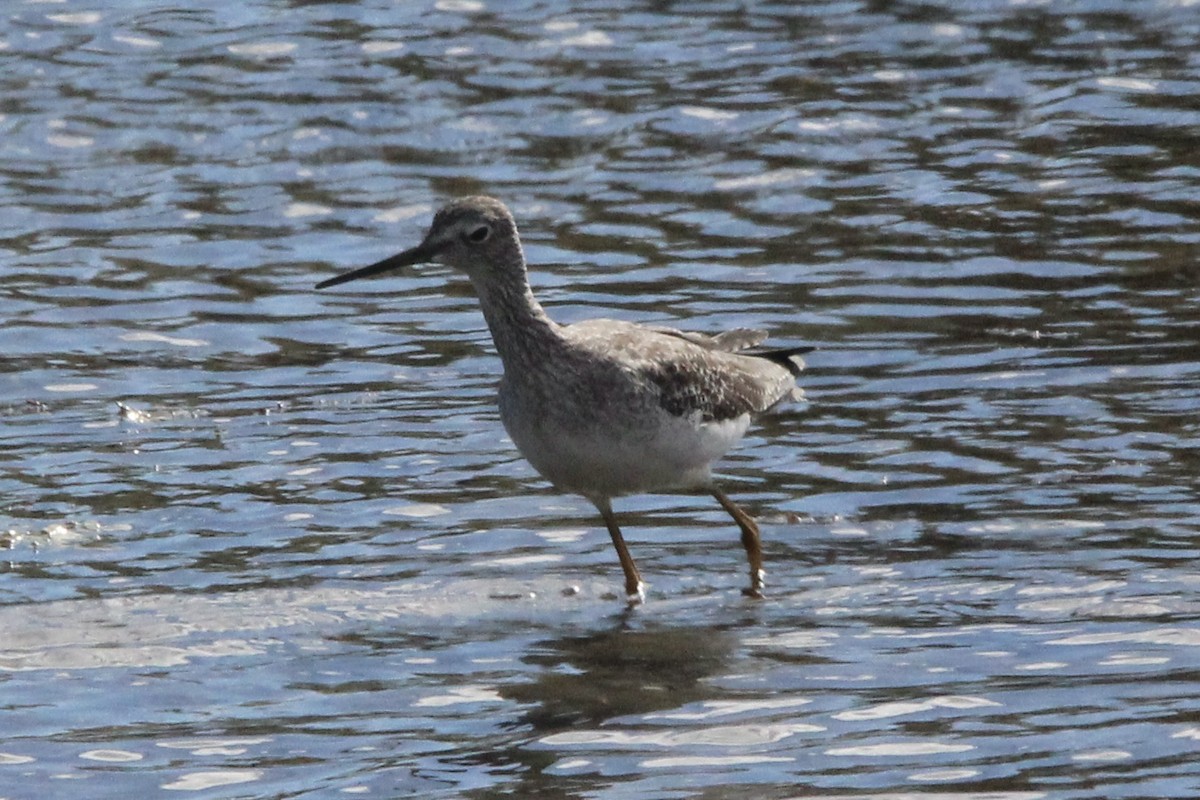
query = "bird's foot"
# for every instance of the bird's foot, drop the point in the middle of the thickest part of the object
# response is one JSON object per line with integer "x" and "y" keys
{"x": 635, "y": 594}
{"x": 757, "y": 581}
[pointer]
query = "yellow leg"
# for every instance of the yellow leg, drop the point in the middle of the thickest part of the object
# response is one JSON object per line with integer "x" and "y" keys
{"x": 634, "y": 591}
{"x": 751, "y": 540}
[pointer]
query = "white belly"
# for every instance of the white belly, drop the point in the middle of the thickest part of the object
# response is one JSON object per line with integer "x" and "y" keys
{"x": 604, "y": 456}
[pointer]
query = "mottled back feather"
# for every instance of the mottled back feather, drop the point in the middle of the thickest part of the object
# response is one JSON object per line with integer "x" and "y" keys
{"x": 694, "y": 374}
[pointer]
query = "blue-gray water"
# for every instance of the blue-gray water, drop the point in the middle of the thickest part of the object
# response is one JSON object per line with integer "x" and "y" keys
{"x": 265, "y": 542}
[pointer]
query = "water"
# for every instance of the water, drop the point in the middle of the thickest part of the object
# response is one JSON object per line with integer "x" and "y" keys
{"x": 266, "y": 542}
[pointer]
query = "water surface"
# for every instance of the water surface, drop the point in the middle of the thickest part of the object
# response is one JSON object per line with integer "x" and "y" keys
{"x": 267, "y": 542}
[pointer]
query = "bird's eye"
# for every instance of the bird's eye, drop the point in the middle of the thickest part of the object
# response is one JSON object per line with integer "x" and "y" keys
{"x": 480, "y": 234}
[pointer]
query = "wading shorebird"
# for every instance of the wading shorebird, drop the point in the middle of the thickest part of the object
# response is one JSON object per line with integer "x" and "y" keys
{"x": 605, "y": 408}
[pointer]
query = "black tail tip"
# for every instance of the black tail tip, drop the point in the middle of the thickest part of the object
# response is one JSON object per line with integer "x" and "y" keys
{"x": 784, "y": 357}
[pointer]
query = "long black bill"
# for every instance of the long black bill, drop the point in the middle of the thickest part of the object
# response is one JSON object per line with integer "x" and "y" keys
{"x": 418, "y": 255}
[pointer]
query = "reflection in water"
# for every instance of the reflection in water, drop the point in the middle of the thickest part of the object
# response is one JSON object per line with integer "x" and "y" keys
{"x": 265, "y": 542}
{"x": 601, "y": 676}
{"x": 592, "y": 680}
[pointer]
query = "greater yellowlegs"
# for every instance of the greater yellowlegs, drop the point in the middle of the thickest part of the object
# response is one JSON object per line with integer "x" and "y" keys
{"x": 605, "y": 408}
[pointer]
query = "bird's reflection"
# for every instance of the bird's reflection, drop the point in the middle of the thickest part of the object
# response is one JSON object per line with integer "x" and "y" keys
{"x": 602, "y": 675}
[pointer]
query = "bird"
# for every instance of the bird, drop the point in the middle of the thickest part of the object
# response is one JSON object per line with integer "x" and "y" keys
{"x": 605, "y": 408}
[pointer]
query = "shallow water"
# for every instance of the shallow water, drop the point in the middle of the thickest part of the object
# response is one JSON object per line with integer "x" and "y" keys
{"x": 267, "y": 542}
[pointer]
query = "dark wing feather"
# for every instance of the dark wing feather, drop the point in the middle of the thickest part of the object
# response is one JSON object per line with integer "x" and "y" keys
{"x": 741, "y": 340}
{"x": 786, "y": 357}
